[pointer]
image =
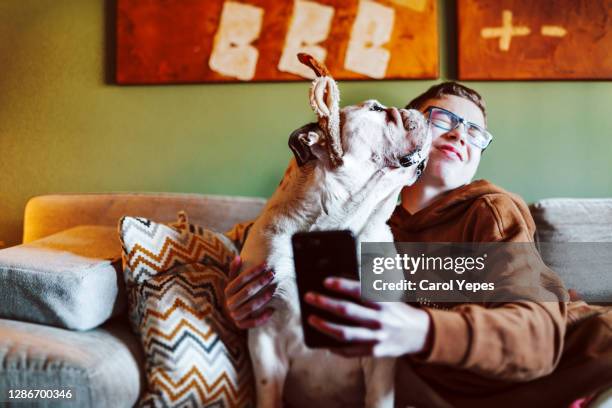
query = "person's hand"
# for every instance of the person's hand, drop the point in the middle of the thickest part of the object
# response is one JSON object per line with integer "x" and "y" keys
{"x": 388, "y": 329}
{"x": 248, "y": 293}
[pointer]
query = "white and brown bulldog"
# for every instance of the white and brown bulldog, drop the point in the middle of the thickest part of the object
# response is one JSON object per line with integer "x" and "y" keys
{"x": 347, "y": 174}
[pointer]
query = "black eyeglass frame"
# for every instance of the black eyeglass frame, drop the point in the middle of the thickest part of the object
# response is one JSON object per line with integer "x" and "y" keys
{"x": 459, "y": 120}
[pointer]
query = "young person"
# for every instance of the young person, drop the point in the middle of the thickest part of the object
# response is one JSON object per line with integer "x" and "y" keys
{"x": 471, "y": 354}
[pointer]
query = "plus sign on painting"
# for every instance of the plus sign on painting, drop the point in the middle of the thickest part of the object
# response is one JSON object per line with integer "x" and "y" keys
{"x": 178, "y": 41}
{"x": 541, "y": 39}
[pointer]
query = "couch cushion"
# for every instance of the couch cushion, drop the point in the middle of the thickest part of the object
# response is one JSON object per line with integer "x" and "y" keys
{"x": 100, "y": 366}
{"x": 575, "y": 239}
{"x": 69, "y": 279}
{"x": 175, "y": 278}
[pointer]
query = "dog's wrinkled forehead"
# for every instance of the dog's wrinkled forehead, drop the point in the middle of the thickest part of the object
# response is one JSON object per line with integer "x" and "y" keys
{"x": 370, "y": 105}
{"x": 362, "y": 116}
{"x": 365, "y": 105}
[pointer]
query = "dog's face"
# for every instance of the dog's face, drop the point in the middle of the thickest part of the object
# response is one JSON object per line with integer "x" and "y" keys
{"x": 372, "y": 133}
{"x": 360, "y": 135}
{"x": 387, "y": 136}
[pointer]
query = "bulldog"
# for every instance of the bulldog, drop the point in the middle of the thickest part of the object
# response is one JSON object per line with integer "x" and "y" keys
{"x": 347, "y": 173}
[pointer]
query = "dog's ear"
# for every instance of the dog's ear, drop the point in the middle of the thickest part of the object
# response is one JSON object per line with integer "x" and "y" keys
{"x": 306, "y": 143}
{"x": 325, "y": 101}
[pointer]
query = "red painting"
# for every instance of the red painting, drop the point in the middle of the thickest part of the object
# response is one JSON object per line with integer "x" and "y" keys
{"x": 191, "y": 41}
{"x": 541, "y": 39}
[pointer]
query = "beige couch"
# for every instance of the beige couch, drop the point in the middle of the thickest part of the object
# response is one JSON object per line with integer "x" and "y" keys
{"x": 105, "y": 364}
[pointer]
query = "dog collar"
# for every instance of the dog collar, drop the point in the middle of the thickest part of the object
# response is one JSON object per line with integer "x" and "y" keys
{"x": 411, "y": 158}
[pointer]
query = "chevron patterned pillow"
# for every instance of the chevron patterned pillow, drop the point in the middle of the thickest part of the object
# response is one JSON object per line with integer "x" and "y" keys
{"x": 175, "y": 276}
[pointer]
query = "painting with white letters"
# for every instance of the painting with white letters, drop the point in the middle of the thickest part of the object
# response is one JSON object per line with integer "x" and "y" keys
{"x": 195, "y": 41}
{"x": 535, "y": 39}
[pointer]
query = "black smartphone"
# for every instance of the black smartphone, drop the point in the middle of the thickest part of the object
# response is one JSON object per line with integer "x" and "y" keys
{"x": 317, "y": 255}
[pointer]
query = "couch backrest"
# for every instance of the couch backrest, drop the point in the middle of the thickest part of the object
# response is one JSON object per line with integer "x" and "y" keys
{"x": 573, "y": 219}
{"x": 46, "y": 215}
{"x": 575, "y": 237}
{"x": 558, "y": 220}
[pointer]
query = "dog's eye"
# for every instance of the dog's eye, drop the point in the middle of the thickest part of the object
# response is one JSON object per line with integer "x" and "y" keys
{"x": 377, "y": 108}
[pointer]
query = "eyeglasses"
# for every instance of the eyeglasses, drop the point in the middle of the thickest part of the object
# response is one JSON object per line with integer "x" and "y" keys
{"x": 447, "y": 120}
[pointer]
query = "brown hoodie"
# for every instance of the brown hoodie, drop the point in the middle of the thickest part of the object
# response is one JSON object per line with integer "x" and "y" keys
{"x": 479, "y": 354}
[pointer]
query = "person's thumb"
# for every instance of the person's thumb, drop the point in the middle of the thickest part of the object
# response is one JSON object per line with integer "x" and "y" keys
{"x": 573, "y": 295}
{"x": 235, "y": 267}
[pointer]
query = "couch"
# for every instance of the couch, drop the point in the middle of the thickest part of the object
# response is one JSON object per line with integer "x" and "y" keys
{"x": 104, "y": 365}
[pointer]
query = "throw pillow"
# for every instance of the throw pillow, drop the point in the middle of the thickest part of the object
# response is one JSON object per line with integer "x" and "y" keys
{"x": 175, "y": 276}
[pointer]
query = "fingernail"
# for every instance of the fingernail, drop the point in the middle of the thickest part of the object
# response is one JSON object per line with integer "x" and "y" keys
{"x": 329, "y": 281}
{"x": 309, "y": 297}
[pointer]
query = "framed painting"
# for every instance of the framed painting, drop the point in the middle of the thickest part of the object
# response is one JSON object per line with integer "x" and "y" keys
{"x": 193, "y": 41}
{"x": 527, "y": 39}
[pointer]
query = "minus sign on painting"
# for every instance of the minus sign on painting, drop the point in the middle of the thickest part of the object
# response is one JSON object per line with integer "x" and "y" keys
{"x": 553, "y": 31}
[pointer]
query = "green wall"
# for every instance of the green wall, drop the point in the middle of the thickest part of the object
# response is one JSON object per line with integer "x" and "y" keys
{"x": 65, "y": 128}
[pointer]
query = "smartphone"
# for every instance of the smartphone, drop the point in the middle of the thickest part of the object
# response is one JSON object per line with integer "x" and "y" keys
{"x": 317, "y": 255}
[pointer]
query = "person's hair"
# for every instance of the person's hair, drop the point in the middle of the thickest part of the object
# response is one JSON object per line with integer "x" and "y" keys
{"x": 448, "y": 88}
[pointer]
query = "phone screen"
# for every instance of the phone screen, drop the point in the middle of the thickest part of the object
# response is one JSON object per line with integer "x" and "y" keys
{"x": 316, "y": 256}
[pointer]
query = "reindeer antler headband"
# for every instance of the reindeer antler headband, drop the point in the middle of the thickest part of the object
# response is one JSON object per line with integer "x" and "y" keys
{"x": 325, "y": 101}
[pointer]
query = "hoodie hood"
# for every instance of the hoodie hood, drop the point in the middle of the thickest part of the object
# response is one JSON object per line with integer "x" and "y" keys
{"x": 452, "y": 205}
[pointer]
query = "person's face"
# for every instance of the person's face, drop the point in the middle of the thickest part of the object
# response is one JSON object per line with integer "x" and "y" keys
{"x": 453, "y": 161}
